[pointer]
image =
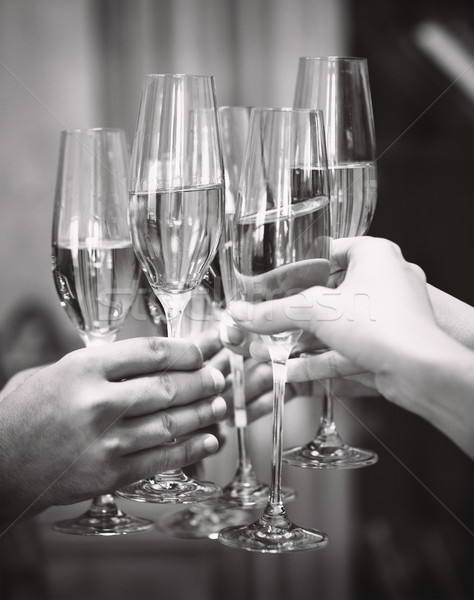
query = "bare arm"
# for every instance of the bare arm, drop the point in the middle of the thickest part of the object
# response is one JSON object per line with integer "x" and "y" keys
{"x": 397, "y": 336}
{"x": 455, "y": 317}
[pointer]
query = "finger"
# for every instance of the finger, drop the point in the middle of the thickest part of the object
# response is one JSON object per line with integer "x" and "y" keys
{"x": 209, "y": 343}
{"x": 232, "y": 334}
{"x": 259, "y": 351}
{"x": 234, "y": 337}
{"x": 307, "y": 342}
{"x": 219, "y": 430}
{"x": 141, "y": 433}
{"x": 258, "y": 379}
{"x": 164, "y": 458}
{"x": 145, "y": 395}
{"x": 356, "y": 386}
{"x": 327, "y": 365}
{"x": 137, "y": 356}
{"x": 221, "y": 362}
{"x": 300, "y": 311}
{"x": 263, "y": 405}
{"x": 260, "y": 407}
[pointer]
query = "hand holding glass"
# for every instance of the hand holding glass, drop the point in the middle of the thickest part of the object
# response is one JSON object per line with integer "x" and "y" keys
{"x": 94, "y": 268}
{"x": 281, "y": 244}
{"x": 176, "y": 210}
{"x": 339, "y": 87}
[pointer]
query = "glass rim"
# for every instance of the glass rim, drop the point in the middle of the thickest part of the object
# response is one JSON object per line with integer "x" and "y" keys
{"x": 93, "y": 130}
{"x": 334, "y": 58}
{"x": 286, "y": 109}
{"x": 177, "y": 76}
{"x": 231, "y": 106}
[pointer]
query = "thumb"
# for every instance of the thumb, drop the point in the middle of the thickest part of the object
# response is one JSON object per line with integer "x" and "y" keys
{"x": 300, "y": 311}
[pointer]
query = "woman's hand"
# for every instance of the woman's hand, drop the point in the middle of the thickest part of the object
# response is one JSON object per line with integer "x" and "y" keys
{"x": 379, "y": 321}
{"x": 379, "y": 306}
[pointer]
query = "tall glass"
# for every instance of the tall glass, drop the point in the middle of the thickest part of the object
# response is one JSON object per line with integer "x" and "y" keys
{"x": 203, "y": 519}
{"x": 281, "y": 244}
{"x": 244, "y": 490}
{"x": 94, "y": 269}
{"x": 339, "y": 86}
{"x": 176, "y": 211}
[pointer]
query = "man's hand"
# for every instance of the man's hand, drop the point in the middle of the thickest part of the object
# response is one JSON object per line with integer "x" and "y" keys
{"x": 100, "y": 417}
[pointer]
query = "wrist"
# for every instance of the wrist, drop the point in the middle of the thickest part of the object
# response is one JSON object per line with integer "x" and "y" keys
{"x": 434, "y": 378}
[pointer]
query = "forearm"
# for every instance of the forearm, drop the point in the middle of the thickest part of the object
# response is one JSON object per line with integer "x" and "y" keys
{"x": 436, "y": 381}
{"x": 454, "y": 317}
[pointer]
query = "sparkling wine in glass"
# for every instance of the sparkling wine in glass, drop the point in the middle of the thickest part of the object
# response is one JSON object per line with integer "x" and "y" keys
{"x": 339, "y": 86}
{"x": 281, "y": 245}
{"x": 176, "y": 211}
{"x": 95, "y": 270}
{"x": 245, "y": 489}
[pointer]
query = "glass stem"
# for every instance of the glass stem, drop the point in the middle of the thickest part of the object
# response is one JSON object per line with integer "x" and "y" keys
{"x": 327, "y": 417}
{"x": 103, "y": 505}
{"x": 279, "y": 354}
{"x": 240, "y": 411}
{"x": 174, "y": 306}
{"x": 327, "y": 432}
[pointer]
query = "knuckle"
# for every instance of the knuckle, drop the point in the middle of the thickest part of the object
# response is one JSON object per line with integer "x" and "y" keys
{"x": 186, "y": 455}
{"x": 195, "y": 356}
{"x": 383, "y": 244}
{"x": 158, "y": 348}
{"x": 417, "y": 271}
{"x": 375, "y": 244}
{"x": 99, "y": 405}
{"x": 333, "y": 365}
{"x": 203, "y": 414}
{"x": 112, "y": 446}
{"x": 175, "y": 456}
{"x": 169, "y": 390}
{"x": 72, "y": 361}
{"x": 168, "y": 425}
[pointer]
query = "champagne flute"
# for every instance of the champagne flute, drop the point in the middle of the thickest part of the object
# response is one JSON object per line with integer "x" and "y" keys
{"x": 339, "y": 86}
{"x": 281, "y": 245}
{"x": 244, "y": 490}
{"x": 176, "y": 210}
{"x": 94, "y": 269}
{"x": 203, "y": 519}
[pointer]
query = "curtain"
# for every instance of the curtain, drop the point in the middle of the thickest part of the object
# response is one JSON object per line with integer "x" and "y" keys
{"x": 250, "y": 46}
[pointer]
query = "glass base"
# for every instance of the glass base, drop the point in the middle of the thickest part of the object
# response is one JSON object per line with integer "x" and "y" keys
{"x": 251, "y": 494}
{"x": 205, "y": 520}
{"x": 324, "y": 455}
{"x": 264, "y": 536}
{"x": 90, "y": 523}
{"x": 165, "y": 491}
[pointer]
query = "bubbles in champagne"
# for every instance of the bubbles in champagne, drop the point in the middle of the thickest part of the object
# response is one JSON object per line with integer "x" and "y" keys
{"x": 176, "y": 234}
{"x": 96, "y": 283}
{"x": 353, "y": 198}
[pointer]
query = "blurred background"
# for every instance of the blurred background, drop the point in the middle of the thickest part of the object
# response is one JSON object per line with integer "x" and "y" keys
{"x": 401, "y": 529}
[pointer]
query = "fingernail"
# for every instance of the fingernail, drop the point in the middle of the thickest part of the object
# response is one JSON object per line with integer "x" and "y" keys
{"x": 219, "y": 407}
{"x": 210, "y": 443}
{"x": 239, "y": 311}
{"x": 218, "y": 378}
